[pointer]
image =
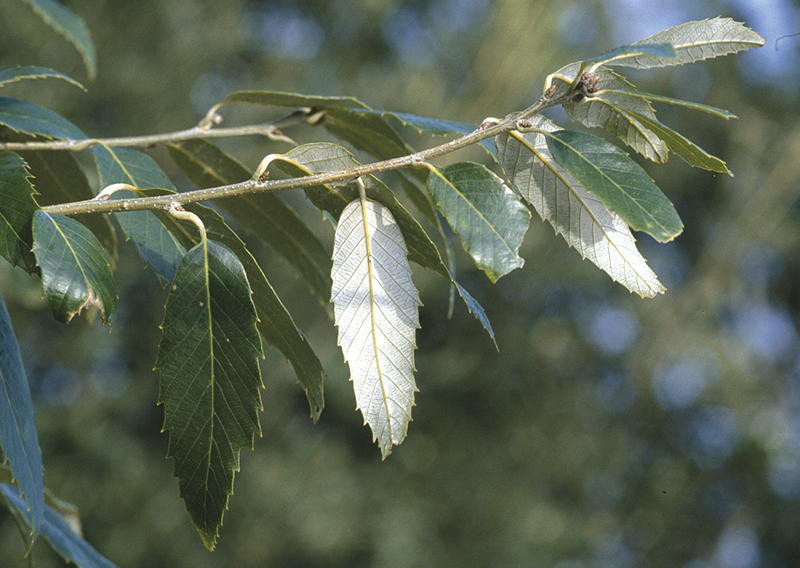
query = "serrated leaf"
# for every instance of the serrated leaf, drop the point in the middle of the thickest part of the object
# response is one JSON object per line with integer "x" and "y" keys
{"x": 30, "y": 118}
{"x": 617, "y": 56}
{"x": 75, "y": 272}
{"x": 71, "y": 26}
{"x": 263, "y": 214}
{"x": 14, "y": 74}
{"x": 577, "y": 215}
{"x": 18, "y": 437}
{"x": 488, "y": 218}
{"x": 59, "y": 178}
{"x": 693, "y": 154}
{"x": 601, "y": 111}
{"x": 17, "y": 207}
{"x": 210, "y": 379}
{"x": 695, "y": 41}
{"x": 619, "y": 182}
{"x": 274, "y": 321}
{"x": 325, "y": 157}
{"x": 157, "y": 246}
{"x": 56, "y": 531}
{"x": 376, "y": 309}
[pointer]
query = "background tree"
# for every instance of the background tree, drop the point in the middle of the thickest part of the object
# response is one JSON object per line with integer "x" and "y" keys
{"x": 607, "y": 429}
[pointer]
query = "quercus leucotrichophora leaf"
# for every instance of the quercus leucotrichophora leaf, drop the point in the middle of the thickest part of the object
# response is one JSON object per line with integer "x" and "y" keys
{"x": 17, "y": 207}
{"x": 376, "y": 310}
{"x": 577, "y": 215}
{"x": 210, "y": 379}
{"x": 17, "y": 427}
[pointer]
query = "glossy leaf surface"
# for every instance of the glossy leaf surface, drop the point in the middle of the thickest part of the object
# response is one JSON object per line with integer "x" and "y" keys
{"x": 14, "y": 74}
{"x": 376, "y": 308}
{"x": 30, "y": 118}
{"x": 75, "y": 272}
{"x": 210, "y": 379}
{"x": 488, "y": 218}
{"x": 18, "y": 437}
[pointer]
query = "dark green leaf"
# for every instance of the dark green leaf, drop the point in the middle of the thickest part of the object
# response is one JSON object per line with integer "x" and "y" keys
{"x": 71, "y": 26}
{"x": 158, "y": 247}
{"x": 490, "y": 220}
{"x": 71, "y": 547}
{"x": 29, "y": 118}
{"x": 274, "y": 321}
{"x": 620, "y": 183}
{"x": 18, "y": 436}
{"x": 59, "y": 178}
{"x": 210, "y": 379}
{"x": 14, "y": 74}
{"x": 75, "y": 273}
{"x": 17, "y": 207}
{"x": 263, "y": 214}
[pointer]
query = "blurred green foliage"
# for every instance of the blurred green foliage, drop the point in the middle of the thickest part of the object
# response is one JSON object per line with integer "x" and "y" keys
{"x": 608, "y": 430}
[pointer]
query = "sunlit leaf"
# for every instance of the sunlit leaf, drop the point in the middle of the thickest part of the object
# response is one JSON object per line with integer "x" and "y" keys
{"x": 75, "y": 272}
{"x": 71, "y": 26}
{"x": 619, "y": 182}
{"x": 694, "y": 41}
{"x": 487, "y": 216}
{"x": 265, "y": 215}
{"x": 56, "y": 531}
{"x": 577, "y": 215}
{"x": 653, "y": 97}
{"x": 376, "y": 309}
{"x": 619, "y": 55}
{"x": 210, "y": 379}
{"x": 158, "y": 247}
{"x": 17, "y": 207}
{"x": 18, "y": 437}
{"x": 23, "y": 72}
{"x": 324, "y": 157}
{"x": 30, "y": 118}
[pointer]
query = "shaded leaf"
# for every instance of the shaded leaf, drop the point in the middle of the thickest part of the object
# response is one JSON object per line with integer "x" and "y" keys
{"x": 694, "y": 41}
{"x": 488, "y": 218}
{"x": 30, "y": 118}
{"x": 59, "y": 178}
{"x": 274, "y": 321}
{"x": 263, "y": 214}
{"x": 13, "y": 74}
{"x": 620, "y": 183}
{"x": 75, "y": 273}
{"x": 157, "y": 246}
{"x": 56, "y": 531}
{"x": 18, "y": 436}
{"x": 210, "y": 379}
{"x": 275, "y": 98}
{"x": 17, "y": 207}
{"x": 71, "y": 26}
{"x": 577, "y": 215}
{"x": 376, "y": 308}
